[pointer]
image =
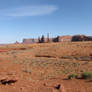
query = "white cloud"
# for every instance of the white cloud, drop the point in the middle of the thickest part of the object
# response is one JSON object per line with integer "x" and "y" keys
{"x": 29, "y": 11}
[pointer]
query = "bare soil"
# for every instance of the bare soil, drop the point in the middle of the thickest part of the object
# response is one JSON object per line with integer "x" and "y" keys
{"x": 45, "y": 67}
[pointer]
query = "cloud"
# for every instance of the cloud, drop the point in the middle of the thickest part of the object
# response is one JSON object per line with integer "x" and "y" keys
{"x": 29, "y": 11}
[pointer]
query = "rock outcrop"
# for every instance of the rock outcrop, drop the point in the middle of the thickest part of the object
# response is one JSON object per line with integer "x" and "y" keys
{"x": 27, "y": 41}
{"x": 81, "y": 38}
{"x": 66, "y": 38}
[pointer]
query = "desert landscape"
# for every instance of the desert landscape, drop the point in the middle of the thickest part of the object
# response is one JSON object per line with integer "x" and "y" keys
{"x": 46, "y": 67}
{"x": 45, "y": 45}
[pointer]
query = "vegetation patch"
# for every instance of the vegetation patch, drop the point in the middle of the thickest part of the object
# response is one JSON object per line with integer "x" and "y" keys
{"x": 86, "y": 75}
{"x": 72, "y": 76}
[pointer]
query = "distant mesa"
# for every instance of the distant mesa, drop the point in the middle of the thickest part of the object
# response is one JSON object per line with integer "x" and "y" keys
{"x": 17, "y": 42}
{"x": 27, "y": 41}
{"x": 66, "y": 38}
{"x": 81, "y": 38}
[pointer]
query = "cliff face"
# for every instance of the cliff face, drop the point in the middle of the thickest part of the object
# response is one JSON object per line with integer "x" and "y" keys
{"x": 59, "y": 39}
{"x": 44, "y": 40}
{"x": 27, "y": 41}
{"x": 65, "y": 38}
{"x": 62, "y": 39}
{"x": 81, "y": 38}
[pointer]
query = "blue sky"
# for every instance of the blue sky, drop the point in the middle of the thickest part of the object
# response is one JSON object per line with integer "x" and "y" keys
{"x": 31, "y": 18}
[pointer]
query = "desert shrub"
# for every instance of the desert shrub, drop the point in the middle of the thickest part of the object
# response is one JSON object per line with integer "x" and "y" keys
{"x": 86, "y": 75}
{"x": 71, "y": 76}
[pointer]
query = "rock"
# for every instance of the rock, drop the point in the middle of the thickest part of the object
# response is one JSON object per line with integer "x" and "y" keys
{"x": 28, "y": 41}
{"x": 62, "y": 89}
{"x": 81, "y": 38}
{"x": 7, "y": 80}
{"x": 56, "y": 87}
{"x": 84, "y": 58}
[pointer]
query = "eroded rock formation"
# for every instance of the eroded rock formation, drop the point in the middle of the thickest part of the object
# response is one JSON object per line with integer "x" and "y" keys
{"x": 66, "y": 38}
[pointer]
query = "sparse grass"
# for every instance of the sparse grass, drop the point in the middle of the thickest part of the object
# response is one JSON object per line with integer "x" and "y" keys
{"x": 72, "y": 76}
{"x": 22, "y": 60}
{"x": 57, "y": 50}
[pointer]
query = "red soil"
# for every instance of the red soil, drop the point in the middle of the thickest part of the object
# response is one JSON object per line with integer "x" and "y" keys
{"x": 40, "y": 67}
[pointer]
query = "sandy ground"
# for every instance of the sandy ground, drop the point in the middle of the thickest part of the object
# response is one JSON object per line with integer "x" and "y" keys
{"x": 45, "y": 67}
